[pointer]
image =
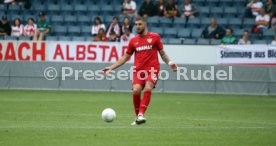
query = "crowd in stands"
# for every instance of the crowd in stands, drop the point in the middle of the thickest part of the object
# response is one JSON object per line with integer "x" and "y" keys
{"x": 264, "y": 13}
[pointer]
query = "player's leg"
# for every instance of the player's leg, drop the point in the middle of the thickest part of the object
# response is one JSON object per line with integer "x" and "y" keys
{"x": 146, "y": 97}
{"x": 145, "y": 102}
{"x": 137, "y": 89}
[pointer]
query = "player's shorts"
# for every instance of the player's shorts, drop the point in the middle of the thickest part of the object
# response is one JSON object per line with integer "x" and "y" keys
{"x": 143, "y": 76}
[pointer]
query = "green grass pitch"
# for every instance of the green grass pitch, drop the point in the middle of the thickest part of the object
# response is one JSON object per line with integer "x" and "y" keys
{"x": 71, "y": 118}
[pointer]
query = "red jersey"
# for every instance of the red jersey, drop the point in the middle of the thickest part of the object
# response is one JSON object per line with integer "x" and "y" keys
{"x": 146, "y": 51}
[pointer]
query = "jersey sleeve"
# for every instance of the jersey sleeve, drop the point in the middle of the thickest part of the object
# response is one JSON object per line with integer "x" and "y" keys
{"x": 130, "y": 48}
{"x": 159, "y": 43}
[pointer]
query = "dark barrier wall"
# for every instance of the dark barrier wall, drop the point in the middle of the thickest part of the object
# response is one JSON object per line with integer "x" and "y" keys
{"x": 260, "y": 80}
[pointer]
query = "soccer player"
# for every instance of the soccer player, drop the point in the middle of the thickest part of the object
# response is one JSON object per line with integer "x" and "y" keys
{"x": 145, "y": 45}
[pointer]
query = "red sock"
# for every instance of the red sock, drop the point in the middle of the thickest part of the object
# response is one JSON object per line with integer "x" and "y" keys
{"x": 145, "y": 102}
{"x": 136, "y": 102}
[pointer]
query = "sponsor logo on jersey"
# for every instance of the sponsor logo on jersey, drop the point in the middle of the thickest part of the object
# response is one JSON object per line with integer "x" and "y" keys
{"x": 142, "y": 48}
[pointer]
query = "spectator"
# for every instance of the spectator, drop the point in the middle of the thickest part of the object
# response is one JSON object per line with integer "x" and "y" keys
{"x": 5, "y": 27}
{"x": 127, "y": 35}
{"x": 245, "y": 39}
{"x": 134, "y": 31}
{"x": 129, "y": 8}
{"x": 268, "y": 6}
{"x": 160, "y": 8}
{"x": 126, "y": 25}
{"x": 147, "y": 9}
{"x": 100, "y": 37}
{"x": 171, "y": 9}
{"x": 112, "y": 36}
{"x": 29, "y": 29}
{"x": 114, "y": 26}
{"x": 270, "y": 9}
{"x": 228, "y": 38}
{"x": 43, "y": 28}
{"x": 262, "y": 20}
{"x": 17, "y": 28}
{"x": 213, "y": 31}
{"x": 252, "y": 8}
{"x": 96, "y": 26}
{"x": 274, "y": 41}
{"x": 189, "y": 10}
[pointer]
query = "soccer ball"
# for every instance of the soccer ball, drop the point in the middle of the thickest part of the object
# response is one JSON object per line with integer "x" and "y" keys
{"x": 108, "y": 115}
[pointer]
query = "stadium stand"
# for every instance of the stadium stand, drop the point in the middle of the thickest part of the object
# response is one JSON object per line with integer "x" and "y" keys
{"x": 73, "y": 19}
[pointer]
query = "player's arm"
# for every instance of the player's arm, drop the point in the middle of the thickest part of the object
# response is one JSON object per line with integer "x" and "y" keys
{"x": 167, "y": 60}
{"x": 119, "y": 63}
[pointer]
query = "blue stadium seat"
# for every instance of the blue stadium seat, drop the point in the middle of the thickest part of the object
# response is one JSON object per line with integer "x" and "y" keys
{"x": 26, "y": 17}
{"x": 179, "y": 22}
{"x": 84, "y": 19}
{"x": 74, "y": 30}
{"x": 64, "y": 38}
{"x": 222, "y": 21}
{"x": 51, "y": 38}
{"x": 215, "y": 42}
{"x": 199, "y": 2}
{"x": 260, "y": 42}
{"x": 166, "y": 22}
{"x": 205, "y": 21}
{"x": 189, "y": 42}
{"x": 170, "y": 32}
{"x": 194, "y": 23}
{"x": 153, "y": 21}
{"x": 53, "y": 7}
{"x": 165, "y": 40}
{"x": 269, "y": 33}
{"x": 79, "y": 8}
{"x": 75, "y": 38}
{"x": 94, "y": 2}
{"x": 212, "y": 3}
{"x": 226, "y": 3}
{"x": 239, "y": 4}
{"x": 107, "y": 9}
{"x": 108, "y": 19}
{"x": 15, "y": 16}
{"x": 249, "y": 22}
{"x": 24, "y": 38}
{"x": 93, "y": 9}
{"x": 184, "y": 33}
{"x": 39, "y": 8}
{"x": 235, "y": 22}
{"x": 175, "y": 41}
{"x": 231, "y": 12}
{"x": 117, "y": 10}
{"x": 204, "y": 11}
{"x": 57, "y": 19}
{"x": 238, "y": 32}
{"x": 196, "y": 33}
{"x": 107, "y": 2}
{"x": 86, "y": 30}
{"x": 14, "y": 8}
{"x": 60, "y": 30}
{"x": 203, "y": 42}
{"x": 69, "y": 19}
{"x": 216, "y": 11}
{"x": 11, "y": 38}
{"x": 89, "y": 38}
{"x": 3, "y": 7}
{"x": 157, "y": 30}
{"x": 67, "y": 8}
